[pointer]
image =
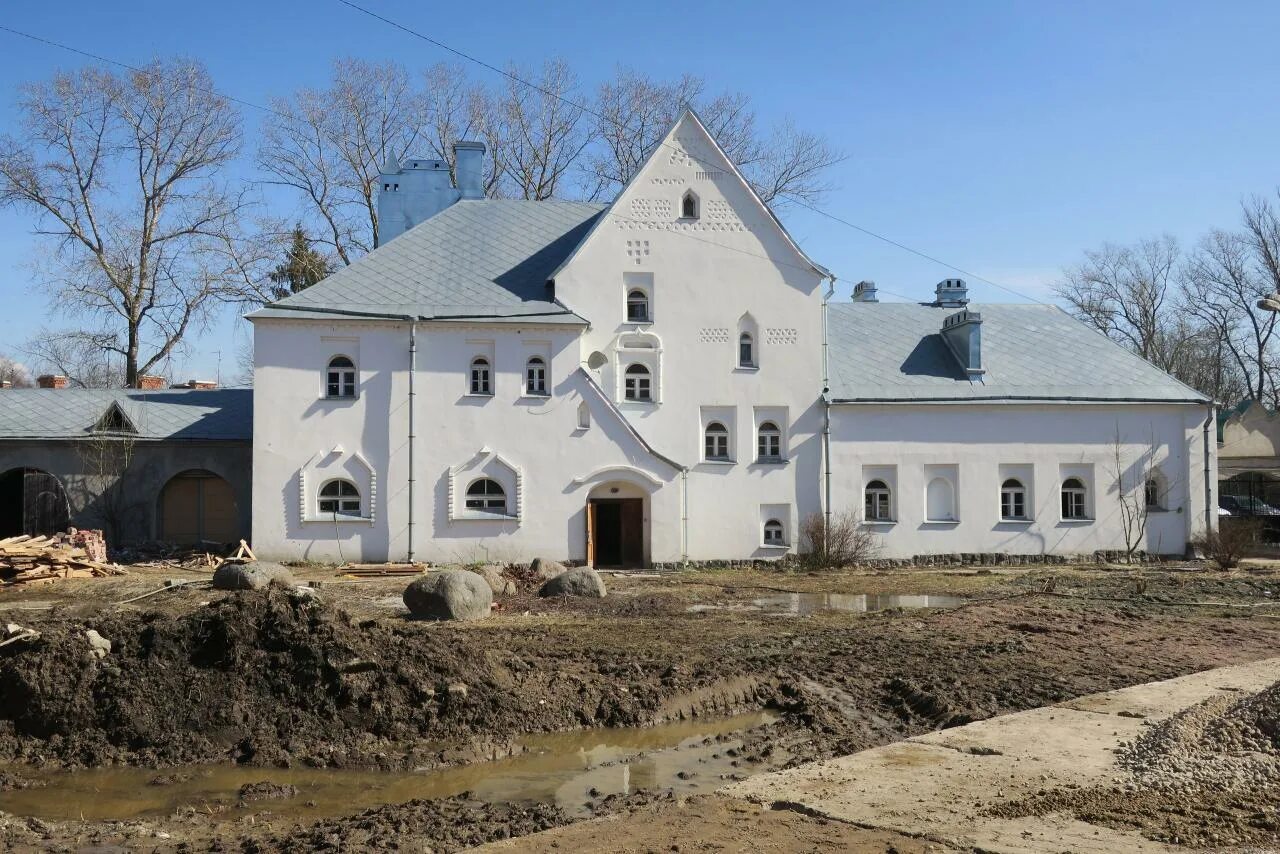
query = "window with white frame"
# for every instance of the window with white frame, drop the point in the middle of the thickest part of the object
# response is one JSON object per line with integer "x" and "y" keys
{"x": 1013, "y": 500}
{"x": 878, "y": 502}
{"x": 638, "y": 306}
{"x": 689, "y": 205}
{"x": 1073, "y": 499}
{"x": 769, "y": 443}
{"x": 746, "y": 350}
{"x": 774, "y": 533}
{"x": 1153, "y": 493}
{"x": 638, "y": 383}
{"x": 584, "y": 416}
{"x": 486, "y": 496}
{"x": 339, "y": 498}
{"x": 340, "y": 378}
{"x": 481, "y": 376}
{"x": 535, "y": 376}
{"x": 716, "y": 442}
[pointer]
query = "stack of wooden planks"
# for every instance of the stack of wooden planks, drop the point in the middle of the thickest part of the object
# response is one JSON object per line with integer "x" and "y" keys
{"x": 43, "y": 559}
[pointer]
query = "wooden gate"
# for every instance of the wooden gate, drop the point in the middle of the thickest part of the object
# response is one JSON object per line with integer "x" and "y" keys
{"x": 196, "y": 507}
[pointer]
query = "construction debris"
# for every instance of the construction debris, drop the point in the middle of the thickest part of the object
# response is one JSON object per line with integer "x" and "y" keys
{"x": 38, "y": 560}
{"x": 376, "y": 570}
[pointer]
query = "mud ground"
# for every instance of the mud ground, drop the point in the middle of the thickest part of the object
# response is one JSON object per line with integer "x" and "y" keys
{"x": 346, "y": 680}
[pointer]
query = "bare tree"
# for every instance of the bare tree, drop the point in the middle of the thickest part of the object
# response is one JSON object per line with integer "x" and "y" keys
{"x": 634, "y": 112}
{"x": 14, "y": 373}
{"x": 1133, "y": 479}
{"x": 122, "y": 172}
{"x": 110, "y": 498}
{"x": 544, "y": 131}
{"x": 84, "y": 358}
{"x": 331, "y": 144}
{"x": 458, "y": 109}
{"x": 1222, "y": 283}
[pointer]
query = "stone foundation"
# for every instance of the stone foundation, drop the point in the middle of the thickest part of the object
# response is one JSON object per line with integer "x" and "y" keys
{"x": 941, "y": 560}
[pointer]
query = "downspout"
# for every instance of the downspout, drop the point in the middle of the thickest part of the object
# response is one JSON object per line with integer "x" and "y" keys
{"x": 684, "y": 517}
{"x": 826, "y": 413}
{"x": 1209, "y": 510}
{"x": 413, "y": 370}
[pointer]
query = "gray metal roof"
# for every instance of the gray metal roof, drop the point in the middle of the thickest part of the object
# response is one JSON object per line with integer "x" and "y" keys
{"x": 482, "y": 259}
{"x": 894, "y": 352}
{"x": 173, "y": 414}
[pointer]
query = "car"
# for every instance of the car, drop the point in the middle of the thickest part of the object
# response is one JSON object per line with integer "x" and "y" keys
{"x": 1243, "y": 505}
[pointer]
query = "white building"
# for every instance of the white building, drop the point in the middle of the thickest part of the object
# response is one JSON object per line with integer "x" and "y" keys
{"x": 643, "y": 383}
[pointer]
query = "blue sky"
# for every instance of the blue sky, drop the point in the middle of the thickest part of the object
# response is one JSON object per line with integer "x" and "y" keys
{"x": 1004, "y": 138}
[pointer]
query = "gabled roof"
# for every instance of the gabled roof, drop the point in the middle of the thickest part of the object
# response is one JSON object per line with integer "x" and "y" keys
{"x": 173, "y": 414}
{"x": 658, "y": 149}
{"x": 481, "y": 259}
{"x": 894, "y": 352}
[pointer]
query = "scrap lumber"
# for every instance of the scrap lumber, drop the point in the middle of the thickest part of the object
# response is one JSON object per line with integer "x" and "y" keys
{"x": 44, "y": 559}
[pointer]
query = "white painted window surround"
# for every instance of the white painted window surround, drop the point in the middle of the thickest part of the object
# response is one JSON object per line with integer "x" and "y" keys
{"x": 339, "y": 497}
{"x": 1013, "y": 501}
{"x": 878, "y": 504}
{"x": 481, "y": 377}
{"x": 340, "y": 378}
{"x": 774, "y": 533}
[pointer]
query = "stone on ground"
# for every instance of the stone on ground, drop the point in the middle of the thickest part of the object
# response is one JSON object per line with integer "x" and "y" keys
{"x": 575, "y": 582}
{"x": 98, "y": 645}
{"x": 498, "y": 583}
{"x": 254, "y": 575}
{"x": 546, "y": 569}
{"x": 454, "y": 594}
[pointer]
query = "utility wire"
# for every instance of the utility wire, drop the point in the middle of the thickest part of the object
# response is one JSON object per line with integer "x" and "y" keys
{"x": 588, "y": 110}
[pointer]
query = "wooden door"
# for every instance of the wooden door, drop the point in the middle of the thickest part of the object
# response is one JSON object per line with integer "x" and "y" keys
{"x": 180, "y": 510}
{"x": 591, "y": 533}
{"x": 44, "y": 504}
{"x": 218, "y": 511}
{"x": 632, "y": 532}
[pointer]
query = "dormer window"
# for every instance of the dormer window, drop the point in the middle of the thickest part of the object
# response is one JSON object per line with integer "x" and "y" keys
{"x": 689, "y": 205}
{"x": 637, "y": 306}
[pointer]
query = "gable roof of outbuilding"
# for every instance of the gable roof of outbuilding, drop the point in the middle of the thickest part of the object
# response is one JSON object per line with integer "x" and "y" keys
{"x": 481, "y": 259}
{"x": 894, "y": 352}
{"x": 172, "y": 415}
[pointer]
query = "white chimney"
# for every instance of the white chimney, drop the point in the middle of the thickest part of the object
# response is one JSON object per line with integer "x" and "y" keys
{"x": 952, "y": 293}
{"x": 865, "y": 291}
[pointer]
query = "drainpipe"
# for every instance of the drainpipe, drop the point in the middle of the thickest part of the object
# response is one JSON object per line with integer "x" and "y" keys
{"x": 826, "y": 412}
{"x": 684, "y": 517}
{"x": 413, "y": 370}
{"x": 1209, "y": 510}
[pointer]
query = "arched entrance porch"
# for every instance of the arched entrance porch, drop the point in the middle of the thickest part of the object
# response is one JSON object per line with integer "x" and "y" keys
{"x": 617, "y": 525}
{"x": 32, "y": 502}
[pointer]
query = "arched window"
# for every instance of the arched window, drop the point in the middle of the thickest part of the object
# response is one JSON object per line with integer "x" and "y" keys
{"x": 769, "y": 443}
{"x": 584, "y": 416}
{"x": 637, "y": 306}
{"x": 487, "y": 496}
{"x": 774, "y": 534}
{"x": 877, "y": 501}
{"x": 1073, "y": 505}
{"x": 535, "y": 376}
{"x": 1152, "y": 494}
{"x": 939, "y": 499}
{"x": 340, "y": 497}
{"x": 746, "y": 351}
{"x": 689, "y": 205}
{"x": 716, "y": 442}
{"x": 638, "y": 383}
{"x": 1013, "y": 500}
{"x": 340, "y": 378}
{"x": 481, "y": 379}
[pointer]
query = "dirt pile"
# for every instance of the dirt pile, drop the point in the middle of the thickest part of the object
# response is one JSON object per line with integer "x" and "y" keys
{"x": 272, "y": 678}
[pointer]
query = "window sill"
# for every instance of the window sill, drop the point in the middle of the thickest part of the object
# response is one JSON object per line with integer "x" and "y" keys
{"x": 1077, "y": 521}
{"x": 479, "y": 395}
{"x": 771, "y": 461}
{"x": 746, "y": 369}
{"x": 534, "y": 398}
{"x": 941, "y": 523}
{"x": 631, "y": 322}
{"x": 637, "y": 403}
{"x": 719, "y": 462}
{"x": 1150, "y": 510}
{"x": 339, "y": 398}
{"x": 881, "y": 523}
{"x": 474, "y": 516}
{"x": 777, "y": 546}
{"x": 339, "y": 520}
{"x": 1004, "y": 521}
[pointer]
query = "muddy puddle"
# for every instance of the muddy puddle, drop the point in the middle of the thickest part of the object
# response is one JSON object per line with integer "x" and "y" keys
{"x": 799, "y": 604}
{"x": 560, "y": 767}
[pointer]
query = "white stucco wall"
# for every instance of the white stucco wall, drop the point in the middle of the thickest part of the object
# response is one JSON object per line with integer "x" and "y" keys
{"x": 980, "y": 445}
{"x": 302, "y": 439}
{"x": 732, "y": 269}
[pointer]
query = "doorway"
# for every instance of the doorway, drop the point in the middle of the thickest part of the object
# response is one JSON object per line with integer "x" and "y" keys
{"x": 32, "y": 502}
{"x": 615, "y": 532}
{"x": 197, "y": 506}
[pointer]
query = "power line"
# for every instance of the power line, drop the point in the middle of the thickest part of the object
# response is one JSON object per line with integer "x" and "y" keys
{"x": 588, "y": 110}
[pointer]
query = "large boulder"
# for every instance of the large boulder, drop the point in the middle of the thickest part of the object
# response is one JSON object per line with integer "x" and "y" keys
{"x": 254, "y": 575}
{"x": 575, "y": 582}
{"x": 498, "y": 583}
{"x": 544, "y": 569}
{"x": 454, "y": 594}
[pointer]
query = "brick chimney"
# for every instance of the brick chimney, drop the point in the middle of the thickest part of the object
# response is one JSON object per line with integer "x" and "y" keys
{"x": 146, "y": 382}
{"x": 6, "y": 383}
{"x": 200, "y": 384}
{"x": 52, "y": 381}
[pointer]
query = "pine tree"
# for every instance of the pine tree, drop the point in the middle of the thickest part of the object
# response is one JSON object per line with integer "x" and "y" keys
{"x": 302, "y": 266}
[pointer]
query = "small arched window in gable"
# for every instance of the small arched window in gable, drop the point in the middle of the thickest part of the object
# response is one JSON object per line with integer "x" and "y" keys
{"x": 877, "y": 502}
{"x": 535, "y": 381}
{"x": 584, "y": 416}
{"x": 769, "y": 443}
{"x": 340, "y": 378}
{"x": 340, "y": 498}
{"x": 1073, "y": 499}
{"x": 481, "y": 377}
{"x": 638, "y": 384}
{"x": 774, "y": 533}
{"x": 1013, "y": 500}
{"x": 689, "y": 205}
{"x": 486, "y": 496}
{"x": 638, "y": 306}
{"x": 716, "y": 442}
{"x": 940, "y": 501}
{"x": 746, "y": 350}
